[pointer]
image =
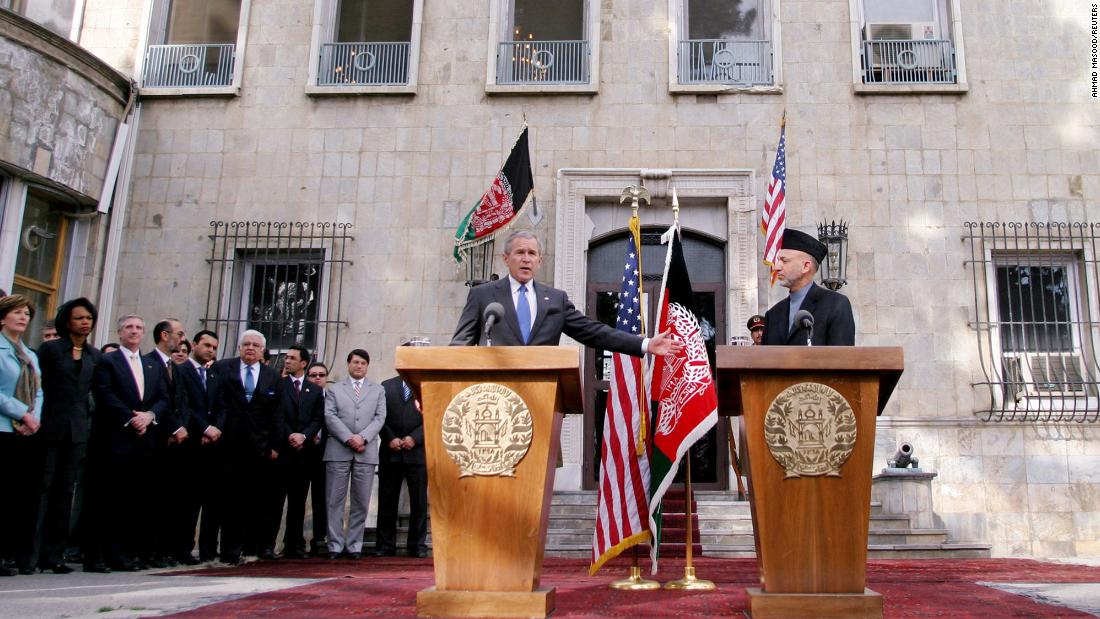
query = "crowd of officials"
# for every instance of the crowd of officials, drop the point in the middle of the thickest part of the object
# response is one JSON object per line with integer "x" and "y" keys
{"x": 124, "y": 461}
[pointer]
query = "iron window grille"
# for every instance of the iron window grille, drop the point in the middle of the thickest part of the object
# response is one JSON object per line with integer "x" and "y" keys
{"x": 283, "y": 279}
{"x": 1036, "y": 308}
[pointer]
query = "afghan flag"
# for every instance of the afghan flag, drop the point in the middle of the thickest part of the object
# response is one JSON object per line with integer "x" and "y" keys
{"x": 506, "y": 196}
{"x": 683, "y": 386}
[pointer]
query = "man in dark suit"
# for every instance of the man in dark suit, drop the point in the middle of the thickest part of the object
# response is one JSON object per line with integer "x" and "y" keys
{"x": 795, "y": 267}
{"x": 196, "y": 389}
{"x": 131, "y": 399}
{"x": 68, "y": 365}
{"x": 171, "y": 454}
{"x": 248, "y": 399}
{"x": 317, "y": 373}
{"x": 537, "y": 315}
{"x": 298, "y": 422}
{"x": 401, "y": 458}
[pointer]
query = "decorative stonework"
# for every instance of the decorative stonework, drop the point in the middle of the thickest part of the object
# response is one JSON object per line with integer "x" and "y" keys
{"x": 487, "y": 429}
{"x": 810, "y": 430}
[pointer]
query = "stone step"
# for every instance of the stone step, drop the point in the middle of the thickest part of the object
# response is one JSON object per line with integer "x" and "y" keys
{"x": 889, "y": 521}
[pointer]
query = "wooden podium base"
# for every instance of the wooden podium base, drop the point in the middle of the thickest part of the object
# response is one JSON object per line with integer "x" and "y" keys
{"x": 819, "y": 605}
{"x": 538, "y": 603}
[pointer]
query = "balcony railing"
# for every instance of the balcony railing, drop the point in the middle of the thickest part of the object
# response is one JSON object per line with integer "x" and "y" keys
{"x": 724, "y": 61}
{"x": 543, "y": 62}
{"x": 909, "y": 62}
{"x": 364, "y": 64}
{"x": 191, "y": 65}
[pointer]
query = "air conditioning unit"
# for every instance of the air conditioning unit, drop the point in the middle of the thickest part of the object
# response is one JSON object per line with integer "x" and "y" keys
{"x": 1044, "y": 374}
{"x": 905, "y": 46}
{"x": 916, "y": 31}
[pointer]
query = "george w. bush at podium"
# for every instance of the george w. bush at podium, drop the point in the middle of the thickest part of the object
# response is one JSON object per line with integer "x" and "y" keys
{"x": 528, "y": 313}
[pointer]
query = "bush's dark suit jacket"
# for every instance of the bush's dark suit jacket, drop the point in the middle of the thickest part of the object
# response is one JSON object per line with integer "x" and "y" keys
{"x": 833, "y": 321}
{"x": 554, "y": 315}
{"x": 305, "y": 415}
{"x": 249, "y": 427}
{"x": 402, "y": 419}
{"x": 116, "y": 397}
{"x": 65, "y": 407}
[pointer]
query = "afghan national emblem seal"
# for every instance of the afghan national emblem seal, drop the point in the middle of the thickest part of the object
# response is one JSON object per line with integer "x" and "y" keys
{"x": 487, "y": 429}
{"x": 810, "y": 429}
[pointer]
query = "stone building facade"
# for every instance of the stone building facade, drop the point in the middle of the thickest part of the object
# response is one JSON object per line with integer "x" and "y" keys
{"x": 907, "y": 143}
{"x": 60, "y": 112}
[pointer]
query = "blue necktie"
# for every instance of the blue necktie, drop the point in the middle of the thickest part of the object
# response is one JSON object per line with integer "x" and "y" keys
{"x": 202, "y": 375}
{"x": 249, "y": 383}
{"x": 405, "y": 391}
{"x": 523, "y": 313}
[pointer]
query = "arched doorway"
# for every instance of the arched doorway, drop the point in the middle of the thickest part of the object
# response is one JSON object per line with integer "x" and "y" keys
{"x": 705, "y": 256}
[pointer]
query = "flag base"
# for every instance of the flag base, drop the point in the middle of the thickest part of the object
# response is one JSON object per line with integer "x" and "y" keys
{"x": 866, "y": 605}
{"x": 432, "y": 603}
{"x": 635, "y": 582}
{"x": 689, "y": 582}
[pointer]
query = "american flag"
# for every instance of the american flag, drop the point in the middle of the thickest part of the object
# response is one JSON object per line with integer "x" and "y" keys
{"x": 773, "y": 219}
{"x": 622, "y": 517}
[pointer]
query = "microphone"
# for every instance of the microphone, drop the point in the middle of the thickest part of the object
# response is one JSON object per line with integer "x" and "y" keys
{"x": 805, "y": 320}
{"x": 494, "y": 313}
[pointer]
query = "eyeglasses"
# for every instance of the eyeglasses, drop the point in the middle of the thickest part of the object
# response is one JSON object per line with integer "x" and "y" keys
{"x": 317, "y": 375}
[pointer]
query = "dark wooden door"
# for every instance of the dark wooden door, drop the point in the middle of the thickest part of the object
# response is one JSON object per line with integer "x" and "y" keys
{"x": 706, "y": 259}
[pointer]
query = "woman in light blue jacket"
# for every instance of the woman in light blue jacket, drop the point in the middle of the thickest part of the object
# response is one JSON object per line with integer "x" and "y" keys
{"x": 20, "y": 412}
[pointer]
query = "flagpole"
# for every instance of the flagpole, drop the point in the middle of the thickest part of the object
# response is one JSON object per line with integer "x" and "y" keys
{"x": 689, "y": 582}
{"x": 635, "y": 582}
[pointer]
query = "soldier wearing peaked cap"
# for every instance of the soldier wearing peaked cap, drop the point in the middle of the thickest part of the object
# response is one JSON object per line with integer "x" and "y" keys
{"x": 756, "y": 329}
{"x": 795, "y": 267}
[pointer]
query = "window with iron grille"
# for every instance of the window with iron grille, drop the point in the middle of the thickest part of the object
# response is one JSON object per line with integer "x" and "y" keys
{"x": 194, "y": 44}
{"x": 725, "y": 42}
{"x": 366, "y": 45}
{"x": 543, "y": 43}
{"x": 1035, "y": 292}
{"x": 283, "y": 279}
{"x": 907, "y": 42}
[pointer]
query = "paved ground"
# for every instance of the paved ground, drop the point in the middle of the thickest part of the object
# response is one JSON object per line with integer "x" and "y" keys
{"x": 107, "y": 596}
{"x": 1084, "y": 597}
{"x": 104, "y": 596}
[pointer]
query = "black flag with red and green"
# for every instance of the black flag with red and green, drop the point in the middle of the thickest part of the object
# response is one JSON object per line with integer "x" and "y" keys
{"x": 502, "y": 202}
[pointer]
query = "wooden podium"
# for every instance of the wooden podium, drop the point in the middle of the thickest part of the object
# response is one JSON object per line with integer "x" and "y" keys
{"x": 489, "y": 530}
{"x": 810, "y": 528}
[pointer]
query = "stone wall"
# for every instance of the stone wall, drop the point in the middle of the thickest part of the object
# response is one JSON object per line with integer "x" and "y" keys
{"x": 59, "y": 107}
{"x": 905, "y": 170}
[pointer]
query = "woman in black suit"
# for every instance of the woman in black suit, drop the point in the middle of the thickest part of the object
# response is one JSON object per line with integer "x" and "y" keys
{"x": 68, "y": 364}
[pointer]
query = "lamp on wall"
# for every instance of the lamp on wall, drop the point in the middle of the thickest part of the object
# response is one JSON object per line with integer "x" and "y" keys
{"x": 479, "y": 263}
{"x": 834, "y": 270}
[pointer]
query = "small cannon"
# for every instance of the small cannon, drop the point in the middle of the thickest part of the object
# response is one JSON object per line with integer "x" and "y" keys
{"x": 903, "y": 458}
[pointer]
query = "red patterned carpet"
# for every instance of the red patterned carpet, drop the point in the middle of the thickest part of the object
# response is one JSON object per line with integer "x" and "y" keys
{"x": 387, "y": 588}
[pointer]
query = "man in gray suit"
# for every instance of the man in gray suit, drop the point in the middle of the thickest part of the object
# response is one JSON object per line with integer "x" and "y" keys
{"x": 355, "y": 411}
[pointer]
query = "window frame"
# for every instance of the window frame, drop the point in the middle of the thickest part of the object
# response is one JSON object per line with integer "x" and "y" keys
{"x": 324, "y": 24}
{"x": 676, "y": 12}
{"x": 1033, "y": 400}
{"x": 954, "y": 18}
{"x": 499, "y": 10}
{"x": 246, "y": 261}
{"x": 149, "y": 12}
